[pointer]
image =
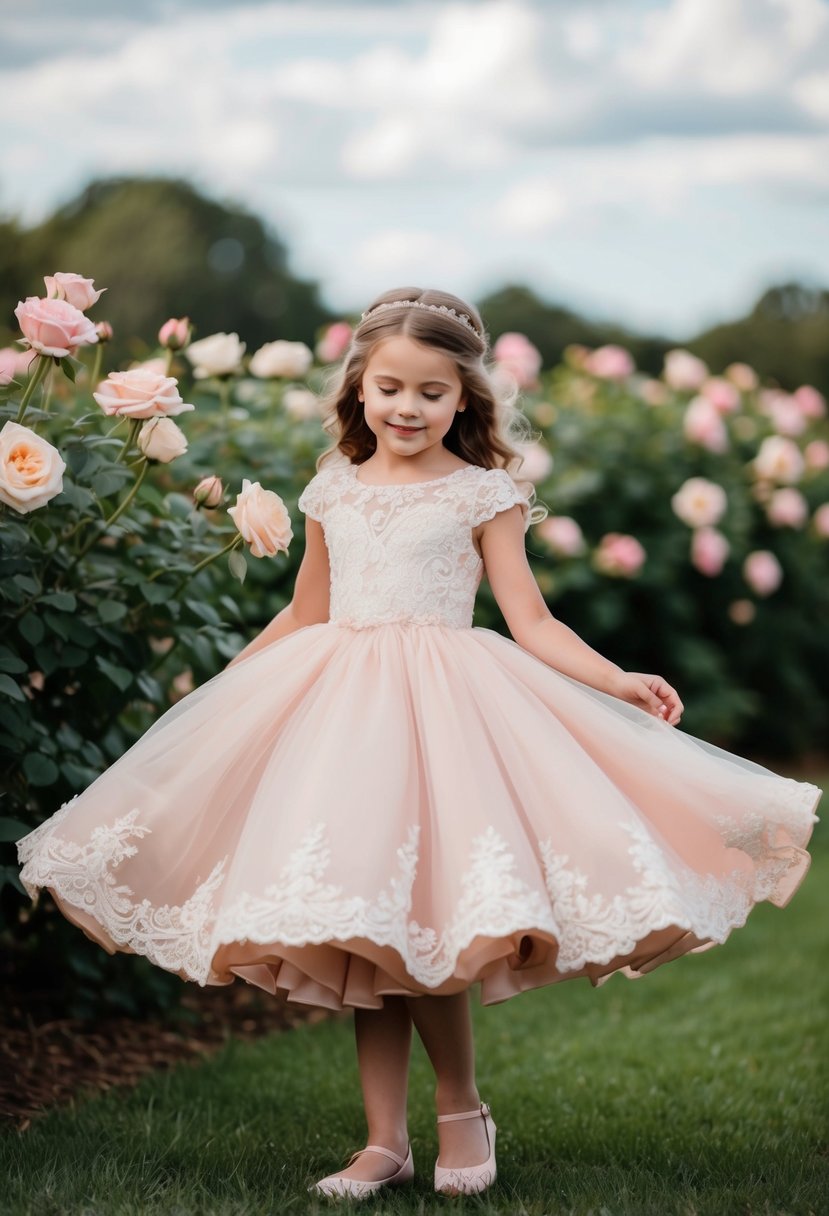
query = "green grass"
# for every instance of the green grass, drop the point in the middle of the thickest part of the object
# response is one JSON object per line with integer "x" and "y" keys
{"x": 698, "y": 1089}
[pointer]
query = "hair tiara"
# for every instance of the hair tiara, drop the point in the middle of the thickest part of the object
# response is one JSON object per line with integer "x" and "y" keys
{"x": 463, "y": 317}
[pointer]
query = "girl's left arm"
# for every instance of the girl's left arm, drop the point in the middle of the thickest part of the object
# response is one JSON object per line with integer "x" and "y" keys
{"x": 534, "y": 627}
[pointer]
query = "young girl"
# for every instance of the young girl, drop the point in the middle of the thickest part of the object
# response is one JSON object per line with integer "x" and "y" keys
{"x": 377, "y": 805}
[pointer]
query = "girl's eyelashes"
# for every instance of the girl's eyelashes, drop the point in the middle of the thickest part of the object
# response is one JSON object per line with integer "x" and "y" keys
{"x": 387, "y": 392}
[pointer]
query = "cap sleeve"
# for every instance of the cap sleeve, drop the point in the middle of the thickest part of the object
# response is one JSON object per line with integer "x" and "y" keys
{"x": 310, "y": 501}
{"x": 496, "y": 491}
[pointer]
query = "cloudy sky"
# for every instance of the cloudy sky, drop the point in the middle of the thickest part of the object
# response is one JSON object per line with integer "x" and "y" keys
{"x": 659, "y": 162}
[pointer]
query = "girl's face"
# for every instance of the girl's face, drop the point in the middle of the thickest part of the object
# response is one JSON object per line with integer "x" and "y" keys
{"x": 412, "y": 386}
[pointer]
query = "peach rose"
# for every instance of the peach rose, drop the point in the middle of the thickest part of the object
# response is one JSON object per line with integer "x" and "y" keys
{"x": 73, "y": 288}
{"x": 762, "y": 571}
{"x": 610, "y": 363}
{"x": 820, "y": 520}
{"x": 709, "y": 550}
{"x": 334, "y": 342}
{"x": 787, "y": 509}
{"x": 161, "y": 439}
{"x": 262, "y": 519}
{"x": 54, "y": 327}
{"x": 562, "y": 534}
{"x": 516, "y": 354}
{"x": 140, "y": 392}
{"x": 175, "y": 333}
{"x": 778, "y": 459}
{"x": 208, "y": 493}
{"x": 699, "y": 502}
{"x": 619, "y": 555}
{"x": 684, "y": 371}
{"x": 743, "y": 376}
{"x": 289, "y": 360}
{"x": 216, "y": 355}
{"x": 31, "y": 469}
{"x": 703, "y": 424}
{"x": 742, "y": 612}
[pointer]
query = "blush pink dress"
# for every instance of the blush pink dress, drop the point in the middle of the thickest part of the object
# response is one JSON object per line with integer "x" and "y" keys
{"x": 397, "y": 802}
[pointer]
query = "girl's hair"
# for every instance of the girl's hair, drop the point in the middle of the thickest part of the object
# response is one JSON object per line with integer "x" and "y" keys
{"x": 486, "y": 433}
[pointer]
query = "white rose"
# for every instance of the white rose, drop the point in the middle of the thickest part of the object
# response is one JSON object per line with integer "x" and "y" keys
{"x": 217, "y": 355}
{"x": 31, "y": 469}
{"x": 699, "y": 503}
{"x": 291, "y": 360}
{"x": 779, "y": 459}
{"x": 301, "y": 403}
{"x": 161, "y": 439}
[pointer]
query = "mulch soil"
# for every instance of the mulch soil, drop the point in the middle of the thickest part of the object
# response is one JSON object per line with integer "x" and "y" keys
{"x": 48, "y": 1061}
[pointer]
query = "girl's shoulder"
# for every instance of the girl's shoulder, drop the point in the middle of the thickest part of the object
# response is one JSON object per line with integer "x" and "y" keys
{"x": 494, "y": 491}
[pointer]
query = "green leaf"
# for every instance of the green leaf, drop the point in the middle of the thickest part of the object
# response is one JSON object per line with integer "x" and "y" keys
{"x": 40, "y": 770}
{"x": 12, "y": 829}
{"x": 10, "y": 661}
{"x": 31, "y": 628}
{"x": 73, "y": 656}
{"x": 112, "y": 610}
{"x": 205, "y": 612}
{"x": 110, "y": 481}
{"x": 29, "y": 585}
{"x": 119, "y": 676}
{"x": 64, "y": 601}
{"x": 10, "y": 688}
{"x": 155, "y": 593}
{"x": 57, "y": 624}
{"x": 68, "y": 368}
{"x": 237, "y": 565}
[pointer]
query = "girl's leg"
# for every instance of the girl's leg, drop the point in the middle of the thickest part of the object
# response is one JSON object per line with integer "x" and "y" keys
{"x": 384, "y": 1038}
{"x": 445, "y": 1026}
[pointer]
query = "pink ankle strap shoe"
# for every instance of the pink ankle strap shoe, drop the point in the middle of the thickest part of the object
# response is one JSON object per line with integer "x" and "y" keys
{"x": 335, "y": 1185}
{"x": 470, "y": 1179}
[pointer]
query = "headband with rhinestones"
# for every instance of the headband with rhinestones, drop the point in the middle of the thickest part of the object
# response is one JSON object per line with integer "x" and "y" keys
{"x": 463, "y": 317}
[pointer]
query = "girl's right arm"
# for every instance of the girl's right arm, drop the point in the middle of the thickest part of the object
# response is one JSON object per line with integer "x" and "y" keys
{"x": 310, "y": 603}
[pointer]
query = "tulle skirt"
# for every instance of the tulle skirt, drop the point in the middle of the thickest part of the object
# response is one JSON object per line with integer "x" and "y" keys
{"x": 414, "y": 809}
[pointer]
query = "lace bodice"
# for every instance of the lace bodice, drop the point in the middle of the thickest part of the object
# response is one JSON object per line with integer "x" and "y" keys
{"x": 405, "y": 552}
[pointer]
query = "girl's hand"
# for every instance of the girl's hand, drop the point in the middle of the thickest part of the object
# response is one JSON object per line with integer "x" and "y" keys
{"x": 651, "y": 693}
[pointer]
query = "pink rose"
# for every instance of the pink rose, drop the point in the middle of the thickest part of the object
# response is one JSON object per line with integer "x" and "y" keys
{"x": 334, "y": 342}
{"x": 140, "y": 393}
{"x": 54, "y": 327}
{"x": 820, "y": 520}
{"x": 703, "y": 424}
{"x": 31, "y": 469}
{"x": 812, "y": 403}
{"x": 619, "y": 555}
{"x": 816, "y": 453}
{"x": 787, "y": 509}
{"x": 73, "y": 288}
{"x": 15, "y": 363}
{"x": 516, "y": 354}
{"x": 610, "y": 363}
{"x": 684, "y": 371}
{"x": 653, "y": 392}
{"x": 262, "y": 519}
{"x": 762, "y": 571}
{"x": 722, "y": 395}
{"x": 538, "y": 461}
{"x": 743, "y": 376}
{"x": 208, "y": 493}
{"x": 174, "y": 333}
{"x": 104, "y": 331}
{"x": 709, "y": 550}
{"x": 786, "y": 415}
{"x": 778, "y": 459}
{"x": 562, "y": 534}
